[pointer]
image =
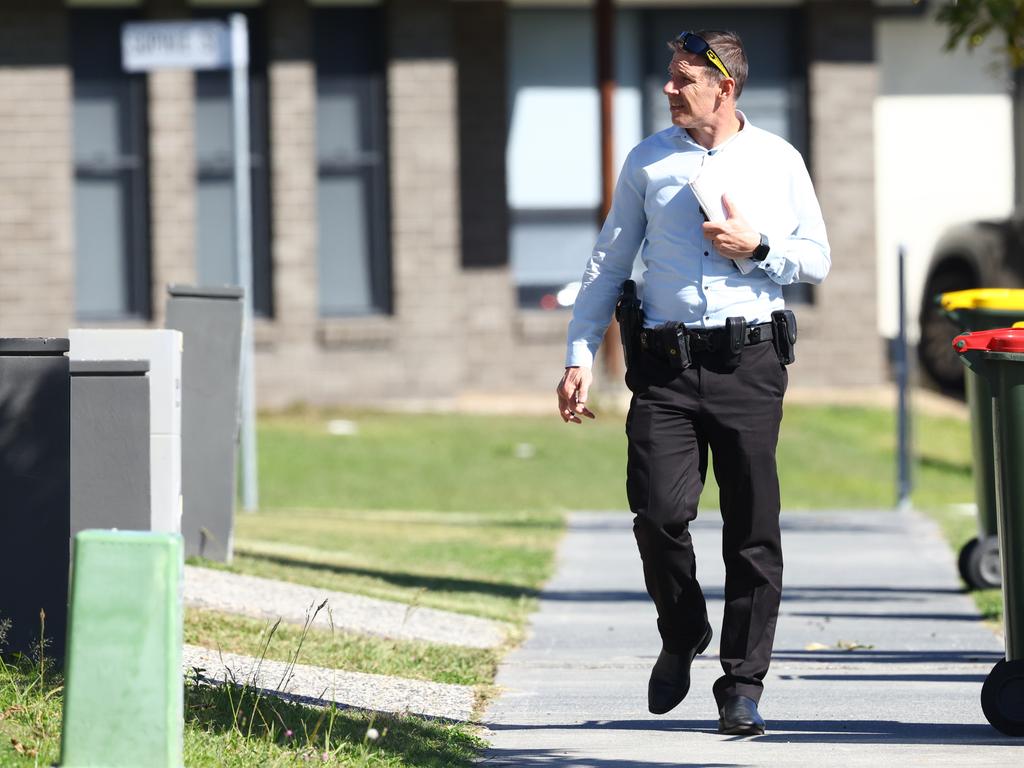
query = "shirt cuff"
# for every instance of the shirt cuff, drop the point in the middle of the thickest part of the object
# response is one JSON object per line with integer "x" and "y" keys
{"x": 579, "y": 355}
{"x": 774, "y": 264}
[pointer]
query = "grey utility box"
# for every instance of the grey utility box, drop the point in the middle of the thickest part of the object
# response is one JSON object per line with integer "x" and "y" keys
{"x": 110, "y": 445}
{"x": 210, "y": 320}
{"x": 35, "y": 450}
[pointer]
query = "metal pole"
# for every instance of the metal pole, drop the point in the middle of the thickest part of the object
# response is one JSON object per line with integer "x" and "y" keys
{"x": 605, "y": 27}
{"x": 902, "y": 366}
{"x": 243, "y": 250}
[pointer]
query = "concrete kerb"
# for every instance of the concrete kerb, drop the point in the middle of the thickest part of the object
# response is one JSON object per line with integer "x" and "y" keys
{"x": 270, "y": 599}
{"x": 321, "y": 686}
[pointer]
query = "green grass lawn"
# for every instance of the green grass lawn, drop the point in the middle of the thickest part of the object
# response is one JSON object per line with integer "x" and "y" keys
{"x": 341, "y": 650}
{"x": 491, "y": 564}
{"x": 240, "y": 730}
{"x": 829, "y": 457}
{"x": 462, "y": 513}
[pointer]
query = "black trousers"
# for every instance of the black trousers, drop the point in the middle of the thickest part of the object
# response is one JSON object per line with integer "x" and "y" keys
{"x": 674, "y": 418}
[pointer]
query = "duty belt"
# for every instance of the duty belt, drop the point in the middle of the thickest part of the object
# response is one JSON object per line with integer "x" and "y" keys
{"x": 659, "y": 340}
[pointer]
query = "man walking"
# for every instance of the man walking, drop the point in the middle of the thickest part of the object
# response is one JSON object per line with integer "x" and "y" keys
{"x": 707, "y": 369}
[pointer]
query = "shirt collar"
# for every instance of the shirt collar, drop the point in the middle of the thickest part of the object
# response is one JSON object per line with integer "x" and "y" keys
{"x": 744, "y": 125}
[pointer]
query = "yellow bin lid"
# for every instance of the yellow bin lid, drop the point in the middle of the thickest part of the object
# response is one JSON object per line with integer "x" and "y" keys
{"x": 1011, "y": 299}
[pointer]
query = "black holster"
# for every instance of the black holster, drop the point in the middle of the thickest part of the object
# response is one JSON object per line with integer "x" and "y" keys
{"x": 630, "y": 314}
{"x": 784, "y": 335}
{"x": 736, "y": 337}
{"x": 676, "y": 346}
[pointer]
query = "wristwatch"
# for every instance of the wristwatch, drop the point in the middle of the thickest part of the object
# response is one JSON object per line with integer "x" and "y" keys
{"x": 761, "y": 252}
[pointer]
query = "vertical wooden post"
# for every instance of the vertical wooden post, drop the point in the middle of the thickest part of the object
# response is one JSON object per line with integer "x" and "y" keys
{"x": 605, "y": 25}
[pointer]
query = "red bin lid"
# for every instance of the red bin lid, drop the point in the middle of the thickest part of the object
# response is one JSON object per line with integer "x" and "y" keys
{"x": 997, "y": 340}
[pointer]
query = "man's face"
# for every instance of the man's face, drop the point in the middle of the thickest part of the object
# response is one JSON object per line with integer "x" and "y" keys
{"x": 691, "y": 90}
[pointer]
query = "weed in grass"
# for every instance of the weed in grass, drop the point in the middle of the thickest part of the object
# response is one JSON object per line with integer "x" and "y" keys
{"x": 30, "y": 711}
{"x": 243, "y": 718}
{"x": 351, "y": 651}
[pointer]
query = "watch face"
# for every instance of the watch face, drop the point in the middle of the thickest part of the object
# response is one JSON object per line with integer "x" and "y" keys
{"x": 761, "y": 252}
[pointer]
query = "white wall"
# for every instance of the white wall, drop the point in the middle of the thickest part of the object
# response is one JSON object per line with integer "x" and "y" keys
{"x": 943, "y": 149}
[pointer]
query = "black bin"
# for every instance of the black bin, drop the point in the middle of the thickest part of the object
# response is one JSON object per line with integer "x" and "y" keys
{"x": 35, "y": 468}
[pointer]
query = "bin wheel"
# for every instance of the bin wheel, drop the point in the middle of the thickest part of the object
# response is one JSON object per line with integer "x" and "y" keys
{"x": 979, "y": 563}
{"x": 1002, "y": 697}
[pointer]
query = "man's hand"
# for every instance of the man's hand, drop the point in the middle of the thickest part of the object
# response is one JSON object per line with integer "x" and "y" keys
{"x": 734, "y": 238}
{"x": 572, "y": 394}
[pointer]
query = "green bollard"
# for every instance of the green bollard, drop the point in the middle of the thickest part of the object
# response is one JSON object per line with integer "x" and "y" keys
{"x": 124, "y": 692}
{"x": 982, "y": 309}
{"x": 998, "y": 356}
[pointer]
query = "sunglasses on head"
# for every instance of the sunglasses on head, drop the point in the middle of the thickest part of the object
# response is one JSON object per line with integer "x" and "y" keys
{"x": 698, "y": 45}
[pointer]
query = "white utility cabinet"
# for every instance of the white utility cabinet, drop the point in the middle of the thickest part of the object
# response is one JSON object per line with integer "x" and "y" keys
{"x": 162, "y": 348}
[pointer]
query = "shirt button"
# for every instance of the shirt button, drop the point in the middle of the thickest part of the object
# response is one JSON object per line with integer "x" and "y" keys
{"x": 705, "y": 253}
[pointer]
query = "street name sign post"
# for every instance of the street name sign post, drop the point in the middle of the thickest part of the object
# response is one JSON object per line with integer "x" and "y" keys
{"x": 212, "y": 45}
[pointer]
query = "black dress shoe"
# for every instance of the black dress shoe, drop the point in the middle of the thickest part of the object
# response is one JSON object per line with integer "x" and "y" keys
{"x": 670, "y": 678}
{"x": 738, "y": 716}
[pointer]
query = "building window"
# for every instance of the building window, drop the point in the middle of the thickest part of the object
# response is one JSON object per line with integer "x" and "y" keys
{"x": 351, "y": 150}
{"x": 112, "y": 251}
{"x": 553, "y": 157}
{"x": 216, "y": 260}
{"x": 553, "y": 153}
{"x": 775, "y": 95}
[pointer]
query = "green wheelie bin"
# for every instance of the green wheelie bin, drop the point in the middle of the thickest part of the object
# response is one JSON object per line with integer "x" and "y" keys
{"x": 998, "y": 357}
{"x": 982, "y": 309}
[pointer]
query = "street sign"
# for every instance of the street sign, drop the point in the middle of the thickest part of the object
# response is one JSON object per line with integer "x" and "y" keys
{"x": 213, "y": 44}
{"x": 153, "y": 45}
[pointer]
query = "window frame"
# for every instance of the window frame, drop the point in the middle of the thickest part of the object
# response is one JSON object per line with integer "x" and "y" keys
{"x": 134, "y": 153}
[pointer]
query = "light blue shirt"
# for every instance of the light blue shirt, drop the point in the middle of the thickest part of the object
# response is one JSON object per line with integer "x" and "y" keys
{"x": 685, "y": 279}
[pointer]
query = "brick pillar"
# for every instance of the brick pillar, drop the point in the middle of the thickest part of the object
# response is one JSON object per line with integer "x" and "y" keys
{"x": 292, "y": 85}
{"x": 839, "y": 341}
{"x": 423, "y": 129}
{"x": 36, "y": 190}
{"x": 172, "y": 171}
{"x": 480, "y": 35}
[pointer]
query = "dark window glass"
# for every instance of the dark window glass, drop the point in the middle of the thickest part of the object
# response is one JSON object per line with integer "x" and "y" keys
{"x": 216, "y": 262}
{"x": 352, "y": 175}
{"x": 112, "y": 253}
{"x": 775, "y": 94}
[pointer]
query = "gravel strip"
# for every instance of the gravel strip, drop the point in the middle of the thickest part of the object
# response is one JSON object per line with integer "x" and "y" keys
{"x": 322, "y": 686}
{"x": 270, "y": 599}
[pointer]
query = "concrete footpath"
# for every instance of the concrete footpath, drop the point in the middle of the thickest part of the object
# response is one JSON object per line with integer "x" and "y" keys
{"x": 879, "y": 657}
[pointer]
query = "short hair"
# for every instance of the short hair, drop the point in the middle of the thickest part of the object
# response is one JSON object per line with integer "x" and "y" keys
{"x": 730, "y": 50}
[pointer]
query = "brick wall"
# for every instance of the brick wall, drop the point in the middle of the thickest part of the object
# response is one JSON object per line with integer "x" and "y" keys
{"x": 36, "y": 225}
{"x": 839, "y": 344}
{"x": 489, "y": 297}
{"x": 455, "y": 326}
{"x": 416, "y": 351}
{"x": 172, "y": 172}
{"x": 423, "y": 135}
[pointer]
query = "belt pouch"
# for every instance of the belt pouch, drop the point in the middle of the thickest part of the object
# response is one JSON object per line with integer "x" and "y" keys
{"x": 735, "y": 336}
{"x": 677, "y": 346}
{"x": 784, "y": 335}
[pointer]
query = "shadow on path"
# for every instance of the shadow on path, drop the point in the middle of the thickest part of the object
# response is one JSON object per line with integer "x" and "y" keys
{"x": 888, "y": 657}
{"x": 806, "y": 731}
{"x": 790, "y": 595}
{"x": 891, "y": 616}
{"x": 417, "y": 581}
{"x": 936, "y": 677}
{"x": 545, "y": 757}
